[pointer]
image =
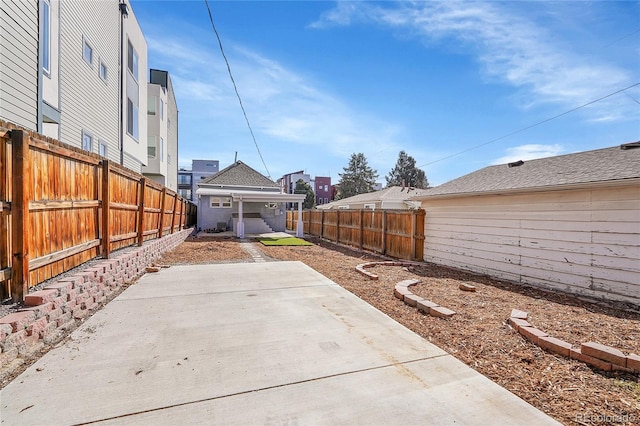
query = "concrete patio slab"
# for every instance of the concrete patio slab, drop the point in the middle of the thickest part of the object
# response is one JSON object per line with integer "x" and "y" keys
{"x": 251, "y": 343}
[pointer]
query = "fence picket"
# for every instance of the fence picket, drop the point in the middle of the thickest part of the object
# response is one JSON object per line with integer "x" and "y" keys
{"x": 61, "y": 206}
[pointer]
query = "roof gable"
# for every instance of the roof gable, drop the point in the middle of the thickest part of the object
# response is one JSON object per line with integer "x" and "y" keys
{"x": 601, "y": 165}
{"x": 239, "y": 174}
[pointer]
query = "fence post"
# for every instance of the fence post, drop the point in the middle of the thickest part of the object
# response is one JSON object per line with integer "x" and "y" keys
{"x": 143, "y": 186}
{"x": 414, "y": 238}
{"x": 173, "y": 215}
{"x": 106, "y": 201}
{"x": 384, "y": 232}
{"x": 337, "y": 226}
{"x": 361, "y": 228}
{"x": 322, "y": 224}
{"x": 21, "y": 167}
{"x": 162, "y": 201}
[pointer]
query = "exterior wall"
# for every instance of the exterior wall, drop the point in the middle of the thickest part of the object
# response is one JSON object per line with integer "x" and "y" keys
{"x": 19, "y": 62}
{"x": 202, "y": 169}
{"x": 172, "y": 137}
{"x": 156, "y": 134}
{"x": 89, "y": 103}
{"x": 209, "y": 217}
{"x": 134, "y": 88}
{"x": 322, "y": 196}
{"x": 585, "y": 242}
{"x": 49, "y": 79}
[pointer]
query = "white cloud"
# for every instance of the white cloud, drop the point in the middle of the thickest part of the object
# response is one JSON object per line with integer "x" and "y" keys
{"x": 509, "y": 46}
{"x": 291, "y": 115}
{"x": 528, "y": 152}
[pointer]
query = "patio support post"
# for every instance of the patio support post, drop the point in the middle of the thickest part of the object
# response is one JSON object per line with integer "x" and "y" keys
{"x": 240, "y": 230}
{"x": 300, "y": 230}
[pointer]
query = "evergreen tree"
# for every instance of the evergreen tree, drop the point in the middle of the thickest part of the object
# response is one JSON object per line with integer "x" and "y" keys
{"x": 303, "y": 187}
{"x": 358, "y": 177}
{"x": 406, "y": 170}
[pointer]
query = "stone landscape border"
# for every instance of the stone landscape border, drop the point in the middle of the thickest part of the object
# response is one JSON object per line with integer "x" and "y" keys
{"x": 362, "y": 268}
{"x": 402, "y": 292}
{"x": 599, "y": 356}
{"x": 50, "y": 313}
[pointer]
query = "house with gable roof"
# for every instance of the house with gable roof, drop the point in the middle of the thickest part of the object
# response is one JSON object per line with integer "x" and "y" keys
{"x": 241, "y": 199}
{"x": 568, "y": 223}
{"x": 391, "y": 198}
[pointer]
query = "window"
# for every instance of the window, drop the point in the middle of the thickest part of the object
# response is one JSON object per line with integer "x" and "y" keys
{"x": 218, "y": 203}
{"x": 151, "y": 147}
{"x": 326, "y": 187}
{"x": 370, "y": 206}
{"x": 46, "y": 37}
{"x": 326, "y": 200}
{"x": 161, "y": 110}
{"x": 185, "y": 193}
{"x": 103, "y": 71}
{"x": 132, "y": 60}
{"x": 184, "y": 179}
{"x": 132, "y": 119}
{"x": 161, "y": 149}
{"x": 87, "y": 141}
{"x": 151, "y": 105}
{"x": 87, "y": 52}
{"x": 102, "y": 148}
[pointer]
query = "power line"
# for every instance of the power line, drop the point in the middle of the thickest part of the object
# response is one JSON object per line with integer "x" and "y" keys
{"x": 236, "y": 88}
{"x": 529, "y": 127}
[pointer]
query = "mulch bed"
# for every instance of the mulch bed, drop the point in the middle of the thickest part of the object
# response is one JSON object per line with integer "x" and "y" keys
{"x": 479, "y": 335}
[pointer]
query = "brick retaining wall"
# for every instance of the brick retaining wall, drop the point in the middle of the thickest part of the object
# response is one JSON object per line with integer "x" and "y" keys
{"x": 50, "y": 313}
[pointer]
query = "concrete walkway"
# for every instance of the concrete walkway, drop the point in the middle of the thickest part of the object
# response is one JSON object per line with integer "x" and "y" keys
{"x": 252, "y": 343}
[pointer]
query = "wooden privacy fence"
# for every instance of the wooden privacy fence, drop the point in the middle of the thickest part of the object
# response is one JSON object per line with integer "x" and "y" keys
{"x": 395, "y": 233}
{"x": 61, "y": 206}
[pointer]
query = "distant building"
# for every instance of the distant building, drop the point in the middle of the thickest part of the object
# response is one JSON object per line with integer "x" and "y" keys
{"x": 322, "y": 190}
{"x": 288, "y": 183}
{"x": 162, "y": 129}
{"x": 188, "y": 179}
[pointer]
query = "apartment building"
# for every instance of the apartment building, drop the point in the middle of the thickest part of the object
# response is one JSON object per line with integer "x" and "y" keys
{"x": 76, "y": 71}
{"x": 322, "y": 189}
{"x": 162, "y": 131}
{"x": 188, "y": 179}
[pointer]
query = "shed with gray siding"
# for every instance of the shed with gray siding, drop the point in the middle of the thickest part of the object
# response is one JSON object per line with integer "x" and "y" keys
{"x": 569, "y": 223}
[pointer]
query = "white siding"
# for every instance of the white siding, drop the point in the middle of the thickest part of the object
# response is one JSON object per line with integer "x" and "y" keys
{"x": 580, "y": 241}
{"x": 172, "y": 139}
{"x": 19, "y": 62}
{"x": 87, "y": 102}
{"x": 135, "y": 150}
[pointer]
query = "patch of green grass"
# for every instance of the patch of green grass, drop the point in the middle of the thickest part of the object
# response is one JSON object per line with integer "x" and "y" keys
{"x": 287, "y": 241}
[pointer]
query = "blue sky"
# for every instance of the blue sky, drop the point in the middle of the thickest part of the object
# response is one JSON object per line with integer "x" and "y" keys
{"x": 321, "y": 80}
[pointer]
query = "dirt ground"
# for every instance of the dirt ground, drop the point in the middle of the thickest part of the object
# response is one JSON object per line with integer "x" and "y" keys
{"x": 478, "y": 334}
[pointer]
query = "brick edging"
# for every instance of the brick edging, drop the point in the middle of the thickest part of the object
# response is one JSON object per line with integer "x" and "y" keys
{"x": 402, "y": 292}
{"x": 599, "y": 356}
{"x": 361, "y": 268}
{"x": 49, "y": 314}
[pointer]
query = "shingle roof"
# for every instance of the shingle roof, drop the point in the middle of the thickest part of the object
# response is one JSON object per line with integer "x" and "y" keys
{"x": 239, "y": 174}
{"x": 601, "y": 165}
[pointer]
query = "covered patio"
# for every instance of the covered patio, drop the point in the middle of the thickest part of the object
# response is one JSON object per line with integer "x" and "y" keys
{"x": 240, "y": 197}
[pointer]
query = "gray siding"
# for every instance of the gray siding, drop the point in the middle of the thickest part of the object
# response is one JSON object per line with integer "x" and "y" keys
{"x": 19, "y": 62}
{"x": 87, "y": 102}
{"x": 585, "y": 242}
